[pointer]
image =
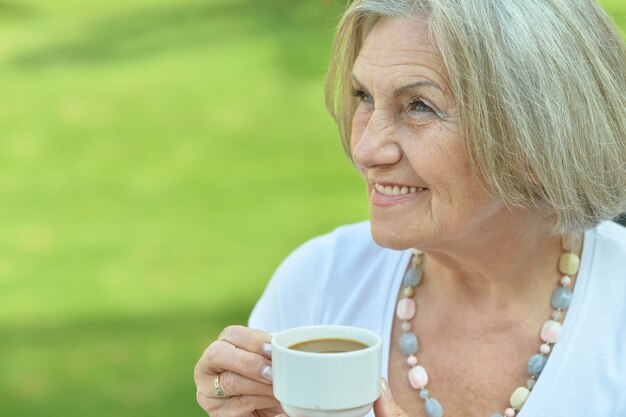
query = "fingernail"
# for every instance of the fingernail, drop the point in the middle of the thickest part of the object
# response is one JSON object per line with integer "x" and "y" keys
{"x": 267, "y": 349}
{"x": 266, "y": 372}
{"x": 384, "y": 387}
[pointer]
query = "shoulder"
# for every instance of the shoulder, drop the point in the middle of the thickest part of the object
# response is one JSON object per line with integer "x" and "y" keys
{"x": 612, "y": 234}
{"x": 594, "y": 328}
{"x": 348, "y": 239}
{"x": 610, "y": 245}
{"x": 324, "y": 278}
{"x": 329, "y": 254}
{"x": 604, "y": 260}
{"x": 603, "y": 282}
{"x": 346, "y": 252}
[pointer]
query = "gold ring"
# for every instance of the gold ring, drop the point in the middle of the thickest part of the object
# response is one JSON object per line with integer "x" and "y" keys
{"x": 218, "y": 389}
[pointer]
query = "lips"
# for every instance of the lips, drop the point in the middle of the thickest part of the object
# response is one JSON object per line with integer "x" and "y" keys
{"x": 387, "y": 194}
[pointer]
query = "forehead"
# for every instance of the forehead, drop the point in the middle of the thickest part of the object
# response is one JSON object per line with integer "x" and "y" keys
{"x": 400, "y": 48}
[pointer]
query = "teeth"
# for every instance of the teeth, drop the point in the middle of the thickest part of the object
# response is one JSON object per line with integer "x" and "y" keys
{"x": 396, "y": 190}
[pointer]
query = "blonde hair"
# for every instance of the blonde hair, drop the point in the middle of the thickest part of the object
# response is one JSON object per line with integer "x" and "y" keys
{"x": 541, "y": 93}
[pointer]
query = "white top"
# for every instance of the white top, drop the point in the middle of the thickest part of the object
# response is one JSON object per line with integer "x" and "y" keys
{"x": 344, "y": 277}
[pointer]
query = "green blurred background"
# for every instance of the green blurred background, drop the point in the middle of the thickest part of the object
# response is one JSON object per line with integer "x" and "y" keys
{"x": 158, "y": 159}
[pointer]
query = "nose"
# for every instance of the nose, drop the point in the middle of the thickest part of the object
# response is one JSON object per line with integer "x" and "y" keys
{"x": 376, "y": 143}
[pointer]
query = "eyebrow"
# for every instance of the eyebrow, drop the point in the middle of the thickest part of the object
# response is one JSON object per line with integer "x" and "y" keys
{"x": 402, "y": 90}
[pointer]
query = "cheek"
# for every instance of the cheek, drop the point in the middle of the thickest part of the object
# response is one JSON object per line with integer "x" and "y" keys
{"x": 433, "y": 162}
{"x": 447, "y": 162}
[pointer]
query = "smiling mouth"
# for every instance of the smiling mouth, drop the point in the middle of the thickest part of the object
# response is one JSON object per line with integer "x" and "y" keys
{"x": 397, "y": 190}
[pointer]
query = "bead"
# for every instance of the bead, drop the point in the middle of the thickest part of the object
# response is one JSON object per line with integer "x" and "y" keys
{"x": 561, "y": 298}
{"x": 519, "y": 396}
{"x": 530, "y": 383}
{"x": 418, "y": 378}
{"x": 417, "y": 260}
{"x": 509, "y": 412}
{"x": 408, "y": 343}
{"x": 551, "y": 331}
{"x": 408, "y": 292}
{"x": 417, "y": 252}
{"x": 413, "y": 276}
{"x": 406, "y": 309}
{"x": 556, "y": 315}
{"x": 535, "y": 365}
{"x": 406, "y": 326}
{"x": 424, "y": 394}
{"x": 566, "y": 280}
{"x": 544, "y": 348}
{"x": 569, "y": 263}
{"x": 433, "y": 408}
{"x": 411, "y": 360}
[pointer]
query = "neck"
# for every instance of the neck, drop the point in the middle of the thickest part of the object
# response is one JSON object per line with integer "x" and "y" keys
{"x": 500, "y": 268}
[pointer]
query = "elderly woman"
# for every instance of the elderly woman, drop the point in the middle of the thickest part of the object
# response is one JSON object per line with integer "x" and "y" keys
{"x": 491, "y": 136}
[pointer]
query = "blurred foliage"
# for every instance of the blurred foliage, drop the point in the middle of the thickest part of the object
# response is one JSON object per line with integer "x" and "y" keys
{"x": 158, "y": 159}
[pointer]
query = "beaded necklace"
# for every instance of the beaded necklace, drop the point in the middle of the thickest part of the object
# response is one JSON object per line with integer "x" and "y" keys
{"x": 549, "y": 334}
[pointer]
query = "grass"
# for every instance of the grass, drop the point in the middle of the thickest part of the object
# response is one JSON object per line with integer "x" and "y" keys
{"x": 158, "y": 160}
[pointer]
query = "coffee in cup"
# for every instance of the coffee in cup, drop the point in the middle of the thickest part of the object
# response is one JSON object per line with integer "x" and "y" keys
{"x": 329, "y": 345}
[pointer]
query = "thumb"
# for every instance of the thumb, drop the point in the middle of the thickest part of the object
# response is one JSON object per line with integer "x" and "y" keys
{"x": 385, "y": 406}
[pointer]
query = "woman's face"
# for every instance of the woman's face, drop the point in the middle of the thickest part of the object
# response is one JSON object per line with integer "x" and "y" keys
{"x": 406, "y": 136}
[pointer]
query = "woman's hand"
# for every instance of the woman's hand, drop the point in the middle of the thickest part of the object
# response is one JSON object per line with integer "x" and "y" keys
{"x": 385, "y": 406}
{"x": 239, "y": 363}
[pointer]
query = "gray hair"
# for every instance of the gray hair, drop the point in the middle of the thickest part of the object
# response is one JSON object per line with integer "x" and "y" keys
{"x": 541, "y": 93}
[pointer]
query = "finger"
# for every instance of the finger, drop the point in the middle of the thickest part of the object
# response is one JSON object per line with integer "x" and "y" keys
{"x": 252, "y": 340}
{"x": 385, "y": 406}
{"x": 239, "y": 406}
{"x": 232, "y": 383}
{"x": 222, "y": 356}
{"x": 270, "y": 412}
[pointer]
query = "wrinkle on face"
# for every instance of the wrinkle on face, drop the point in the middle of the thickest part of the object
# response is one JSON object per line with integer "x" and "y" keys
{"x": 421, "y": 60}
{"x": 414, "y": 137}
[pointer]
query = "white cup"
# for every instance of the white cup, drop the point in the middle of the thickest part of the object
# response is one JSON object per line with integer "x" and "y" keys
{"x": 311, "y": 384}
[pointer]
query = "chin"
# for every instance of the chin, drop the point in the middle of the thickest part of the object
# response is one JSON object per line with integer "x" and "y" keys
{"x": 389, "y": 237}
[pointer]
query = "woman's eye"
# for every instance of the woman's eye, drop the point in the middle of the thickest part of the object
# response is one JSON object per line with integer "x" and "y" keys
{"x": 362, "y": 96}
{"x": 418, "y": 105}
